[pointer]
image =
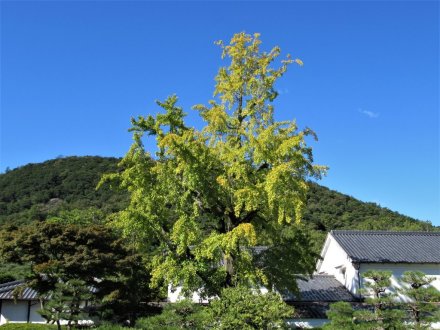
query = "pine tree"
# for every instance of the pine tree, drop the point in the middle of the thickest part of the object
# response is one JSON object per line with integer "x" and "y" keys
{"x": 180, "y": 315}
{"x": 243, "y": 308}
{"x": 384, "y": 313}
{"x": 424, "y": 305}
{"x": 341, "y": 316}
{"x": 66, "y": 302}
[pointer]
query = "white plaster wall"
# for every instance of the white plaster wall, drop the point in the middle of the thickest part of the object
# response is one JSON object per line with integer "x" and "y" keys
{"x": 17, "y": 313}
{"x": 336, "y": 262}
{"x": 352, "y": 279}
{"x": 307, "y": 323}
{"x": 174, "y": 295}
{"x": 34, "y": 316}
{"x": 12, "y": 312}
{"x": 334, "y": 257}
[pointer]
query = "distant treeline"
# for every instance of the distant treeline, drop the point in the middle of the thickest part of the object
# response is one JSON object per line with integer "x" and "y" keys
{"x": 36, "y": 192}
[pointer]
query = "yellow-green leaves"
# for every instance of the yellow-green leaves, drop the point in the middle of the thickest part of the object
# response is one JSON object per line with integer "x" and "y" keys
{"x": 243, "y": 233}
{"x": 209, "y": 196}
{"x": 299, "y": 62}
{"x": 247, "y": 199}
{"x": 185, "y": 233}
{"x": 286, "y": 193}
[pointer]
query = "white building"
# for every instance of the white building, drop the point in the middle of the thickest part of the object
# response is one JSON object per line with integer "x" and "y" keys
{"x": 24, "y": 306}
{"x": 347, "y": 254}
{"x": 21, "y": 310}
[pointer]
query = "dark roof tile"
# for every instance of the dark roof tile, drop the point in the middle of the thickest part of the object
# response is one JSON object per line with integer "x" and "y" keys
{"x": 320, "y": 288}
{"x": 310, "y": 310}
{"x": 7, "y": 291}
{"x": 390, "y": 246}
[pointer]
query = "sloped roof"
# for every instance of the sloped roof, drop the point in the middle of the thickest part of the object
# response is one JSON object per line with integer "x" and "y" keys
{"x": 310, "y": 310}
{"x": 7, "y": 291}
{"x": 320, "y": 288}
{"x": 390, "y": 246}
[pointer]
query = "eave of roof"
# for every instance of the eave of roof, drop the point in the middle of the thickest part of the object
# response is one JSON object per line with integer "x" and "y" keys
{"x": 7, "y": 292}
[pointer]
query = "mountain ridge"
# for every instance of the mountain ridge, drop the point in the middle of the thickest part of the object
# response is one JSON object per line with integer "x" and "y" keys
{"x": 65, "y": 188}
{"x": 37, "y": 191}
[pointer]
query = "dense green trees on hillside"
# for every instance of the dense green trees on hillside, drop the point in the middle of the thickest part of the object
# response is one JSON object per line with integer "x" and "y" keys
{"x": 36, "y": 191}
{"x": 28, "y": 193}
{"x": 64, "y": 190}
{"x": 327, "y": 210}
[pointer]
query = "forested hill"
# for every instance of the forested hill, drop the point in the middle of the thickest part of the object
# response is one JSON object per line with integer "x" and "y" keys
{"x": 50, "y": 189}
{"x": 38, "y": 191}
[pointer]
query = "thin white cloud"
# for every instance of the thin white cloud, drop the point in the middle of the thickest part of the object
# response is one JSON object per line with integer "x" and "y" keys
{"x": 283, "y": 91}
{"x": 369, "y": 114}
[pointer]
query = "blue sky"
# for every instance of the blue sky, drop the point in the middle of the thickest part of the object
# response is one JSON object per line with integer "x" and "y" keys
{"x": 73, "y": 73}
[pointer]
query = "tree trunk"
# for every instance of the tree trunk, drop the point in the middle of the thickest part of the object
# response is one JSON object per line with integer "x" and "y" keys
{"x": 229, "y": 271}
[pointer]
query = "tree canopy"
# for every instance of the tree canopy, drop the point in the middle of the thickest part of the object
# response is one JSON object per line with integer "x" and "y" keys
{"x": 69, "y": 261}
{"x": 242, "y": 308}
{"x": 208, "y": 196}
{"x": 385, "y": 313}
{"x": 423, "y": 305}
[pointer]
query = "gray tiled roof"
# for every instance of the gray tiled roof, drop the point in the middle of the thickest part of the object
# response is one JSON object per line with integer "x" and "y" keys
{"x": 320, "y": 288}
{"x": 7, "y": 291}
{"x": 310, "y": 310}
{"x": 390, "y": 246}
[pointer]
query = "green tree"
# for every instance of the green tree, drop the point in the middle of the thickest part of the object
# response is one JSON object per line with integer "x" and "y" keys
{"x": 207, "y": 197}
{"x": 130, "y": 292}
{"x": 61, "y": 253}
{"x": 341, "y": 316}
{"x": 181, "y": 315}
{"x": 244, "y": 308}
{"x": 86, "y": 216}
{"x": 67, "y": 303}
{"x": 236, "y": 308}
{"x": 385, "y": 314}
{"x": 423, "y": 307}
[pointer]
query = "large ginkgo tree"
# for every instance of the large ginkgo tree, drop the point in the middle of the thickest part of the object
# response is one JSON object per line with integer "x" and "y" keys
{"x": 207, "y": 201}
